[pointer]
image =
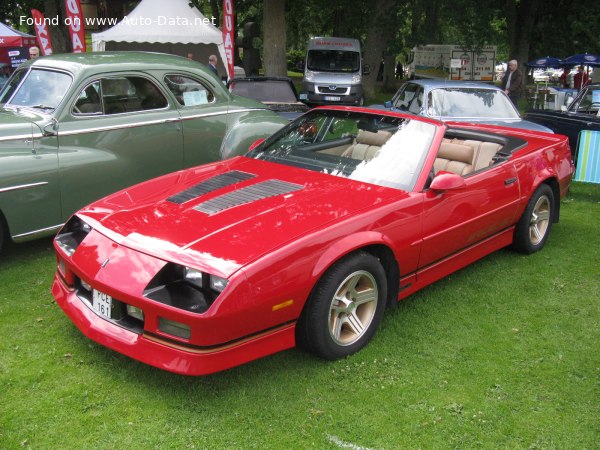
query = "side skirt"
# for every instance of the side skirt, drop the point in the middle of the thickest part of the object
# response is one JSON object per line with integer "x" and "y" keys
{"x": 415, "y": 281}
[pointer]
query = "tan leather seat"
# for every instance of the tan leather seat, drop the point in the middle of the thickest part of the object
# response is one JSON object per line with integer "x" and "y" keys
{"x": 367, "y": 144}
{"x": 455, "y": 158}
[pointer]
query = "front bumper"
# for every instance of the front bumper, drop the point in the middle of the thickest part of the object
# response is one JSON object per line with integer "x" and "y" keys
{"x": 162, "y": 353}
{"x": 322, "y": 94}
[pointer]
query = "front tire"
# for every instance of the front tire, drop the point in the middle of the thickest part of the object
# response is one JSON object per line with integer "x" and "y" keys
{"x": 535, "y": 224}
{"x": 345, "y": 308}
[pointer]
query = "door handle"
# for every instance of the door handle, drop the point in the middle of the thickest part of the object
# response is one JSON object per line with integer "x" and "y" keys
{"x": 510, "y": 181}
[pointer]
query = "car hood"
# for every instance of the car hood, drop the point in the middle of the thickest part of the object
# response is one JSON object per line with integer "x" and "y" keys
{"x": 222, "y": 216}
{"x": 20, "y": 122}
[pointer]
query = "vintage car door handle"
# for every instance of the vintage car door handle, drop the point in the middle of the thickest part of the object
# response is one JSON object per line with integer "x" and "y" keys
{"x": 510, "y": 181}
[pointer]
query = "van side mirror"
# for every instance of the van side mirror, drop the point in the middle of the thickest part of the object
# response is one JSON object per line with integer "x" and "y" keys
{"x": 366, "y": 69}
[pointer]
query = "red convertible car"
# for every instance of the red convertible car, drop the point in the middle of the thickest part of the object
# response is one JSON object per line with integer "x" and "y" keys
{"x": 306, "y": 239}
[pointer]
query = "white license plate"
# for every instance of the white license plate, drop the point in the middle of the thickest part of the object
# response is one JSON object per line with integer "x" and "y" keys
{"x": 332, "y": 99}
{"x": 101, "y": 303}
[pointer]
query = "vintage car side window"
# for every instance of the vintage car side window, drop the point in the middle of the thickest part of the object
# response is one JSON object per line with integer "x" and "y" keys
{"x": 130, "y": 94}
{"x": 188, "y": 91}
{"x": 590, "y": 102}
{"x": 89, "y": 101}
{"x": 408, "y": 98}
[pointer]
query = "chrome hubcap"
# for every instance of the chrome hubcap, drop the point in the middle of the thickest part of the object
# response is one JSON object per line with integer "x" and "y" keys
{"x": 540, "y": 219}
{"x": 353, "y": 308}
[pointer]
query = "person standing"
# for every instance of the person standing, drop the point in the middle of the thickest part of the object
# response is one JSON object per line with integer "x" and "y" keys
{"x": 512, "y": 82}
{"x": 564, "y": 78}
{"x": 580, "y": 79}
{"x": 212, "y": 64}
{"x": 34, "y": 52}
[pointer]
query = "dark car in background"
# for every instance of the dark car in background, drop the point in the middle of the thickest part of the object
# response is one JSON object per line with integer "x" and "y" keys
{"x": 76, "y": 127}
{"x": 277, "y": 93}
{"x": 580, "y": 121}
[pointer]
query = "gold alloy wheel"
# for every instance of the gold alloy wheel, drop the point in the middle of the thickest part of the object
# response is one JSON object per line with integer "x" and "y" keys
{"x": 353, "y": 307}
{"x": 540, "y": 219}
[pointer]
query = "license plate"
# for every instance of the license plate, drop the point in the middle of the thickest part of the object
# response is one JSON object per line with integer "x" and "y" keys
{"x": 101, "y": 303}
{"x": 332, "y": 99}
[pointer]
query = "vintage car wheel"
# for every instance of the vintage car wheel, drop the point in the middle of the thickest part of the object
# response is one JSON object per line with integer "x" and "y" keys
{"x": 535, "y": 224}
{"x": 345, "y": 308}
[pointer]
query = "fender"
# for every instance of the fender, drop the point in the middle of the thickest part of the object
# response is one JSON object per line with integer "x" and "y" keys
{"x": 246, "y": 131}
{"x": 345, "y": 246}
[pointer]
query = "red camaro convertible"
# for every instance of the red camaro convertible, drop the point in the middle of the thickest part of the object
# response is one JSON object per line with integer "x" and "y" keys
{"x": 306, "y": 239}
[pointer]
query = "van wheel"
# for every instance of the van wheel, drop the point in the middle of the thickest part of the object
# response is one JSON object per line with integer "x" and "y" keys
{"x": 345, "y": 308}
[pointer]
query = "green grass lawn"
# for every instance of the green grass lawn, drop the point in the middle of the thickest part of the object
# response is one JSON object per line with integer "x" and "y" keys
{"x": 503, "y": 354}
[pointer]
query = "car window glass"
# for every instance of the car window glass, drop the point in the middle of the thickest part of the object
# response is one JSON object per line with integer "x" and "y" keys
{"x": 590, "y": 102}
{"x": 469, "y": 103}
{"x": 89, "y": 101}
{"x": 42, "y": 89}
{"x": 11, "y": 85}
{"x": 130, "y": 94}
{"x": 417, "y": 102}
{"x": 188, "y": 91}
{"x": 406, "y": 96}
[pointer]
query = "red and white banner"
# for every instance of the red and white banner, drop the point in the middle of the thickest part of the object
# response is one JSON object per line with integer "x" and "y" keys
{"x": 41, "y": 32}
{"x": 228, "y": 35}
{"x": 75, "y": 22}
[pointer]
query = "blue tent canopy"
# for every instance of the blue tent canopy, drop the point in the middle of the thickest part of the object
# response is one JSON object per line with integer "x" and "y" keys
{"x": 583, "y": 59}
{"x": 544, "y": 63}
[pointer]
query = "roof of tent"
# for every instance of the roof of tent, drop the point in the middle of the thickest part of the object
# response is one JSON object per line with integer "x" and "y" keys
{"x": 154, "y": 21}
{"x": 9, "y": 37}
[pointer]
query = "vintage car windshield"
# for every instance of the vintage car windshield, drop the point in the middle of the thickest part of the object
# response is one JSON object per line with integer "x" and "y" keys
{"x": 333, "y": 61}
{"x": 381, "y": 150}
{"x": 40, "y": 89}
{"x": 469, "y": 103}
{"x": 265, "y": 91}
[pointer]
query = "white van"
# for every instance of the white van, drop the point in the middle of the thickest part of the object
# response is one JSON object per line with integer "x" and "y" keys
{"x": 333, "y": 72}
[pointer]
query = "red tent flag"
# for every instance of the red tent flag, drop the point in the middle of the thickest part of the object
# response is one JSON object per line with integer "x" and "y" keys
{"x": 228, "y": 35}
{"x": 41, "y": 32}
{"x": 74, "y": 20}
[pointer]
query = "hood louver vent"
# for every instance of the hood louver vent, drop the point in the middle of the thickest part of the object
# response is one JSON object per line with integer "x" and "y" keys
{"x": 247, "y": 194}
{"x": 210, "y": 185}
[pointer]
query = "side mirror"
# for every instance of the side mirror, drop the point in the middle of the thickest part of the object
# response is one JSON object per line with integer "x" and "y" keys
{"x": 51, "y": 128}
{"x": 447, "y": 181}
{"x": 366, "y": 69}
{"x": 255, "y": 144}
{"x": 388, "y": 104}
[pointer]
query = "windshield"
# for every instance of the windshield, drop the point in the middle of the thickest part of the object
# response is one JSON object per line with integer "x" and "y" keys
{"x": 41, "y": 89}
{"x": 265, "y": 91}
{"x": 372, "y": 148}
{"x": 470, "y": 103}
{"x": 333, "y": 61}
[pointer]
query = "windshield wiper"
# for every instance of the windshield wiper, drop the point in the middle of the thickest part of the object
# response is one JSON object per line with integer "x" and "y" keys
{"x": 42, "y": 107}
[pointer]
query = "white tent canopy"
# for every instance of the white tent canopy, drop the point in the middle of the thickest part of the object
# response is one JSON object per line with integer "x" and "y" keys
{"x": 168, "y": 27}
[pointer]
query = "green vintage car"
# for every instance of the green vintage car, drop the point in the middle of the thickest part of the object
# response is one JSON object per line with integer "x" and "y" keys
{"x": 76, "y": 127}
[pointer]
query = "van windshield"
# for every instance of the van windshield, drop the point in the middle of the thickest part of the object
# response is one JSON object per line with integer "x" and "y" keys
{"x": 333, "y": 61}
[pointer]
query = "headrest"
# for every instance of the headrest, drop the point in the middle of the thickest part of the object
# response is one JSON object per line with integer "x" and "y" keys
{"x": 369, "y": 138}
{"x": 456, "y": 152}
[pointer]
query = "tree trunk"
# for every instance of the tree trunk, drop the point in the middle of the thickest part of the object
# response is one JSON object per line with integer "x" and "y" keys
{"x": 59, "y": 35}
{"x": 389, "y": 72}
{"x": 377, "y": 40}
{"x": 521, "y": 18}
{"x": 274, "y": 41}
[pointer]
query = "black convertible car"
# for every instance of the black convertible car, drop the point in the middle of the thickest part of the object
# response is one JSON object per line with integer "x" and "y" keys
{"x": 580, "y": 122}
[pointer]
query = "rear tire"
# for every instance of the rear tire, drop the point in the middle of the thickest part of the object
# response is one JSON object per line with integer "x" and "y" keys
{"x": 345, "y": 307}
{"x": 534, "y": 226}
